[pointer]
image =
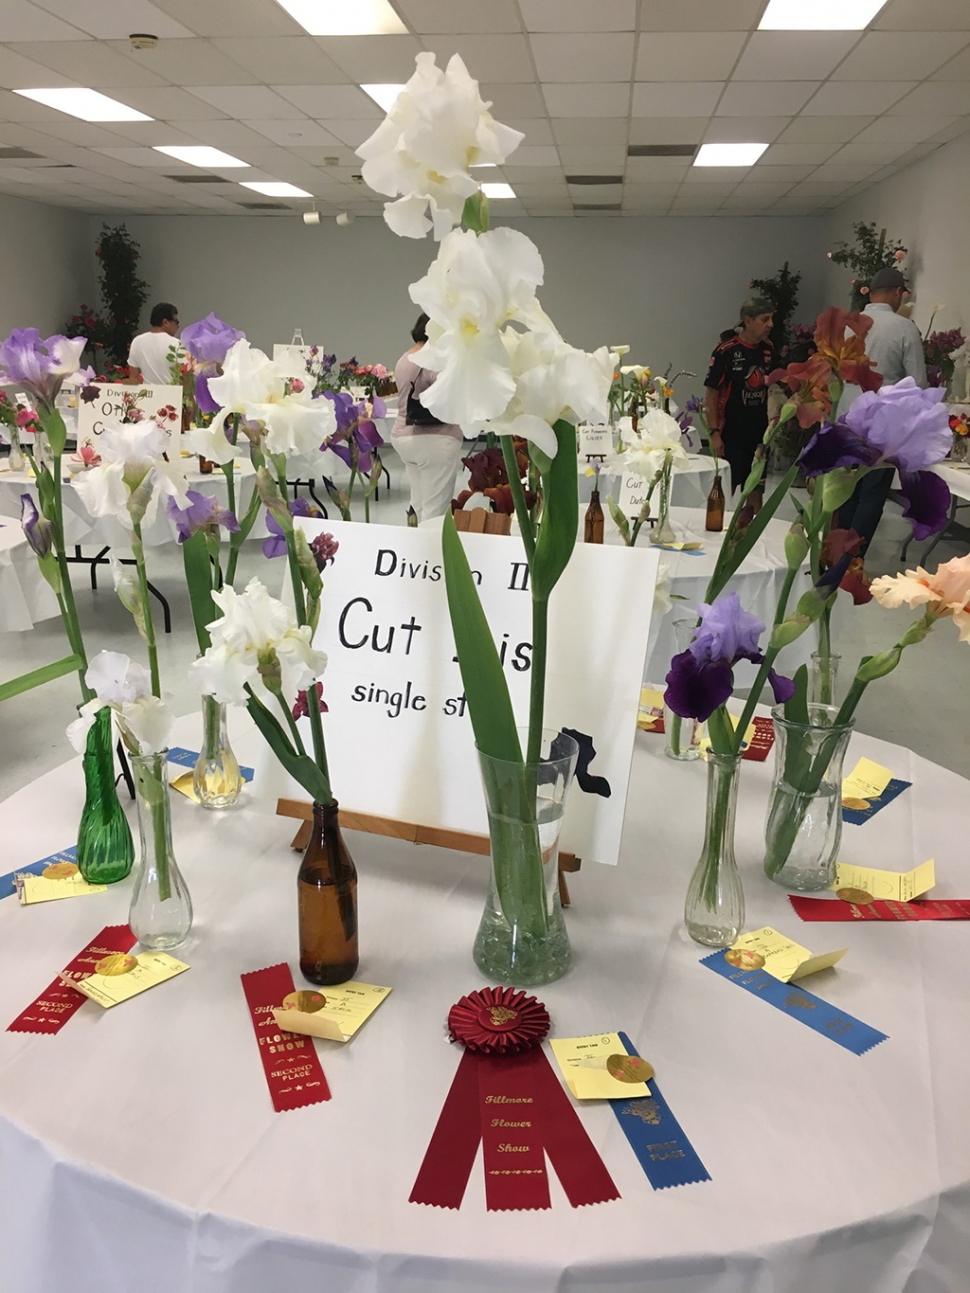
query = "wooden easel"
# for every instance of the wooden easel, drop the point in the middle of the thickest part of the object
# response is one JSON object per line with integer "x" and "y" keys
{"x": 460, "y": 841}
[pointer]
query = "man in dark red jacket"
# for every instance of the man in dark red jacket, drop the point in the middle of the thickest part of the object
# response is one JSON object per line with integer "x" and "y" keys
{"x": 737, "y": 391}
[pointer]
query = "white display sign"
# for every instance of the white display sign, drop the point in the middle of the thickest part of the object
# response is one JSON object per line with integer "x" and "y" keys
{"x": 162, "y": 404}
{"x": 295, "y": 357}
{"x": 595, "y": 440}
{"x": 633, "y": 494}
{"x": 399, "y": 739}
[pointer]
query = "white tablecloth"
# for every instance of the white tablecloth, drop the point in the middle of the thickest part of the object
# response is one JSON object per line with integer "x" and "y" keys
{"x": 25, "y": 595}
{"x": 689, "y": 488}
{"x": 139, "y": 1148}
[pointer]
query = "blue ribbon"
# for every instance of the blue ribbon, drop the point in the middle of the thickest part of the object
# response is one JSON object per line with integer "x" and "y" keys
{"x": 657, "y": 1138}
{"x": 189, "y": 758}
{"x": 843, "y": 1028}
{"x": 856, "y": 816}
{"x": 7, "y": 886}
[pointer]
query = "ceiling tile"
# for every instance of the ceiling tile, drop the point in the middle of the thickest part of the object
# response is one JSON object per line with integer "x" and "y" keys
{"x": 224, "y": 133}
{"x": 351, "y": 133}
{"x": 586, "y": 56}
{"x": 759, "y": 191}
{"x": 768, "y": 174}
{"x": 536, "y": 155}
{"x": 290, "y": 134}
{"x": 876, "y": 153}
{"x": 464, "y": 16}
{"x": 107, "y": 18}
{"x": 958, "y": 69}
{"x": 810, "y": 130}
{"x": 338, "y": 101}
{"x": 667, "y": 130}
{"x": 912, "y": 130}
{"x": 18, "y": 72}
{"x": 22, "y": 21}
{"x": 136, "y": 156}
{"x": 777, "y": 98}
{"x": 847, "y": 171}
{"x": 283, "y": 60}
{"x": 518, "y": 100}
{"x": 645, "y": 170}
{"x": 590, "y": 130}
{"x": 793, "y": 55}
{"x": 488, "y": 58}
{"x": 607, "y": 159}
{"x": 699, "y": 15}
{"x": 601, "y": 99}
{"x": 856, "y": 97}
{"x": 743, "y": 130}
{"x": 149, "y": 133}
{"x": 232, "y": 17}
{"x": 90, "y": 63}
{"x": 579, "y": 15}
{"x": 317, "y": 155}
{"x": 687, "y": 56}
{"x": 669, "y": 99}
{"x": 586, "y": 193}
{"x": 726, "y": 177}
{"x": 537, "y": 130}
{"x": 187, "y": 62}
{"x": 254, "y": 101}
{"x": 779, "y": 154}
{"x": 373, "y": 60}
{"x": 911, "y": 55}
{"x": 706, "y": 190}
{"x": 170, "y": 104}
{"x": 925, "y": 15}
{"x": 935, "y": 97}
{"x": 85, "y": 134}
{"x": 14, "y": 107}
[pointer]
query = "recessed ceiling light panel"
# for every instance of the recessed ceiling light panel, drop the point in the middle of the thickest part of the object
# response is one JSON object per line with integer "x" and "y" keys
{"x": 198, "y": 155}
{"x": 89, "y": 105}
{"x": 383, "y": 95}
{"x": 820, "y": 15}
{"x": 493, "y": 191}
{"x": 728, "y": 154}
{"x": 345, "y": 17}
{"x": 275, "y": 189}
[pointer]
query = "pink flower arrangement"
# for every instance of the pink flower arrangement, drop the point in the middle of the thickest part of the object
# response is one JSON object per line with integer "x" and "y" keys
{"x": 945, "y": 593}
{"x": 87, "y": 456}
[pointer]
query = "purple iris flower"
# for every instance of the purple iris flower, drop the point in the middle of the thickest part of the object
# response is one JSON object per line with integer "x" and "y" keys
{"x": 39, "y": 531}
{"x": 275, "y": 545}
{"x": 203, "y": 510}
{"x": 39, "y": 363}
{"x": 897, "y": 426}
{"x": 203, "y": 399}
{"x": 355, "y": 431}
{"x": 210, "y": 340}
{"x": 701, "y": 678}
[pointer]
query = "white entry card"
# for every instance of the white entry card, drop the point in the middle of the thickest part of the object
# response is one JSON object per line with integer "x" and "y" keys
{"x": 399, "y": 740}
{"x": 595, "y": 440}
{"x": 633, "y": 494}
{"x": 161, "y": 404}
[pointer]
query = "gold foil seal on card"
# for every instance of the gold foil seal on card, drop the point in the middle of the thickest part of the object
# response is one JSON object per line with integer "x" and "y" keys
{"x": 629, "y": 1068}
{"x": 308, "y": 1003}
{"x": 116, "y": 963}
{"x": 60, "y": 871}
{"x": 743, "y": 959}
{"x": 859, "y": 897}
{"x": 857, "y": 805}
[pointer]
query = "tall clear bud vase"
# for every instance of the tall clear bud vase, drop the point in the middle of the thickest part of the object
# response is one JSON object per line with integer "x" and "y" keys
{"x": 714, "y": 908}
{"x": 161, "y": 908}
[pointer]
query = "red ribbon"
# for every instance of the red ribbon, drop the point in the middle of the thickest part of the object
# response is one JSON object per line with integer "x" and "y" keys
{"x": 58, "y": 1003}
{"x": 293, "y": 1072}
{"x": 515, "y": 1106}
{"x": 883, "y": 909}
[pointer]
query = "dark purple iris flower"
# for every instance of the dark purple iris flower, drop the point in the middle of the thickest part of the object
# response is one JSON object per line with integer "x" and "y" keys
{"x": 275, "y": 545}
{"x": 356, "y": 435}
{"x": 897, "y": 426}
{"x": 702, "y": 678}
{"x": 203, "y": 510}
{"x": 39, "y": 532}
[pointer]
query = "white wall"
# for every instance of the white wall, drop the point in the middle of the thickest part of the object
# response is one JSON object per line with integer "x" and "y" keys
{"x": 47, "y": 260}
{"x": 924, "y": 206}
{"x": 665, "y": 286}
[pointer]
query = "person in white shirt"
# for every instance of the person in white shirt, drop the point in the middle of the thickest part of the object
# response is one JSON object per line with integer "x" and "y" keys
{"x": 895, "y": 346}
{"x": 429, "y": 449}
{"x": 149, "y": 350}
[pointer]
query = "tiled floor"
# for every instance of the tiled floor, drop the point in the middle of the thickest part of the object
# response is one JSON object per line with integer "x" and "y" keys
{"x": 924, "y": 704}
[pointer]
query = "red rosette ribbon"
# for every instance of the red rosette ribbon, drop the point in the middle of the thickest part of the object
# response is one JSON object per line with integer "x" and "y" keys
{"x": 498, "y": 1021}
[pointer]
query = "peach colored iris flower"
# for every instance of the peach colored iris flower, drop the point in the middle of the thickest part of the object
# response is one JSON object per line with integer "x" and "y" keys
{"x": 946, "y": 592}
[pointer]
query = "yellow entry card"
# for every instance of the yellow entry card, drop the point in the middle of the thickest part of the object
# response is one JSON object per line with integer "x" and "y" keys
{"x": 651, "y": 708}
{"x": 867, "y": 780}
{"x": 782, "y": 957}
{"x": 345, "y": 1007}
{"x": 60, "y": 880}
{"x": 680, "y": 547}
{"x": 119, "y": 976}
{"x": 895, "y": 886}
{"x": 583, "y": 1062}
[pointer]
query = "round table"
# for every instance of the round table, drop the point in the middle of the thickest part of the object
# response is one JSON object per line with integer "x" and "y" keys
{"x": 25, "y": 595}
{"x": 689, "y": 486}
{"x": 144, "y": 1140}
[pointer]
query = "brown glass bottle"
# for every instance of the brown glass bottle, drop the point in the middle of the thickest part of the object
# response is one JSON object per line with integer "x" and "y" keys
{"x": 593, "y": 524}
{"x": 715, "y": 506}
{"x": 205, "y": 466}
{"x": 327, "y": 887}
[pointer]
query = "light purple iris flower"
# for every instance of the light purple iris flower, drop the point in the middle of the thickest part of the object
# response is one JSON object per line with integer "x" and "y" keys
{"x": 40, "y": 364}
{"x": 355, "y": 430}
{"x": 275, "y": 545}
{"x": 701, "y": 678}
{"x": 39, "y": 531}
{"x": 210, "y": 340}
{"x": 203, "y": 510}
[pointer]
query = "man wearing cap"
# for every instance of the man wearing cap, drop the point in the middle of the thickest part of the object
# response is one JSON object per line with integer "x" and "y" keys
{"x": 895, "y": 346}
{"x": 736, "y": 400}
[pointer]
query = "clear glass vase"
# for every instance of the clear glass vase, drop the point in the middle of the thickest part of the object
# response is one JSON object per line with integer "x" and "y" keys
{"x": 16, "y": 459}
{"x": 823, "y": 679}
{"x": 663, "y": 531}
{"x": 161, "y": 909}
{"x": 714, "y": 908}
{"x": 216, "y": 780}
{"x": 522, "y": 936}
{"x": 105, "y": 850}
{"x": 682, "y": 736}
{"x": 804, "y": 822}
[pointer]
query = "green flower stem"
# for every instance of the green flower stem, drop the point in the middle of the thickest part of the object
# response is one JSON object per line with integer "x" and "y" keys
{"x": 721, "y": 731}
{"x": 717, "y": 828}
{"x": 537, "y": 690}
{"x": 526, "y": 527}
{"x": 210, "y": 727}
{"x": 292, "y": 725}
{"x": 826, "y": 696}
{"x": 65, "y": 598}
{"x": 644, "y": 512}
{"x": 138, "y": 548}
{"x": 674, "y": 735}
{"x": 153, "y": 792}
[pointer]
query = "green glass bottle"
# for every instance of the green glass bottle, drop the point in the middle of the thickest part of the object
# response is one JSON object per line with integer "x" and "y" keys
{"x": 105, "y": 850}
